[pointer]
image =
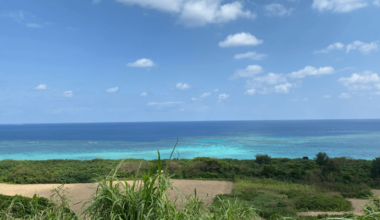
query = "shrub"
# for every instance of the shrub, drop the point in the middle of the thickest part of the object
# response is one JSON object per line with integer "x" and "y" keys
{"x": 375, "y": 170}
{"x": 321, "y": 158}
{"x": 263, "y": 159}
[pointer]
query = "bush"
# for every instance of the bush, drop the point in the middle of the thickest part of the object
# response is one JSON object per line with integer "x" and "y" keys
{"x": 375, "y": 169}
{"x": 23, "y": 205}
{"x": 323, "y": 203}
{"x": 263, "y": 159}
{"x": 321, "y": 158}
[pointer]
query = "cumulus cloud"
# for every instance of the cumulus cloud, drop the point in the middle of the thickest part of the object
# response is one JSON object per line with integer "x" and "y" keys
{"x": 41, "y": 87}
{"x": 276, "y": 9}
{"x": 33, "y": 25}
{"x": 68, "y": 94}
{"x": 144, "y": 62}
{"x": 17, "y": 16}
{"x": 376, "y": 2}
{"x": 344, "y": 96}
{"x": 366, "y": 80}
{"x": 312, "y": 71}
{"x": 364, "y": 48}
{"x": 216, "y": 90}
{"x": 339, "y": 6}
{"x": 204, "y": 95}
{"x": 271, "y": 79}
{"x": 334, "y": 46}
{"x": 240, "y": 39}
{"x": 250, "y": 92}
{"x": 112, "y": 90}
{"x": 143, "y": 94}
{"x": 276, "y": 82}
{"x": 326, "y": 96}
{"x": 164, "y": 103}
{"x": 283, "y": 88}
{"x": 250, "y": 55}
{"x": 223, "y": 96}
{"x": 250, "y": 71}
{"x": 182, "y": 86}
{"x": 196, "y": 12}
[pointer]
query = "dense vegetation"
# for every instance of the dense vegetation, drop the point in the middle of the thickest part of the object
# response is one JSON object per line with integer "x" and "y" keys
{"x": 271, "y": 188}
{"x": 350, "y": 177}
{"x": 145, "y": 198}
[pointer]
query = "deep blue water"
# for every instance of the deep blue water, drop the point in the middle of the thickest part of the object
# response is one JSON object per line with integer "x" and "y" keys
{"x": 221, "y": 139}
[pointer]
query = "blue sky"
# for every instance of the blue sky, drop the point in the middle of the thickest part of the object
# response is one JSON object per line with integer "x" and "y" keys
{"x": 188, "y": 60}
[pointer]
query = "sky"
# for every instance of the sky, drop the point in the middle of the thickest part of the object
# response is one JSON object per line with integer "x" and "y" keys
{"x": 70, "y": 61}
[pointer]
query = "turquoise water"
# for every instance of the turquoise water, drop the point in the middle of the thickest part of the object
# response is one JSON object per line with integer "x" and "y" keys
{"x": 351, "y": 139}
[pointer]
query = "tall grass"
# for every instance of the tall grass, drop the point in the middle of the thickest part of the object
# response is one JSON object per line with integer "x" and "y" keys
{"x": 144, "y": 199}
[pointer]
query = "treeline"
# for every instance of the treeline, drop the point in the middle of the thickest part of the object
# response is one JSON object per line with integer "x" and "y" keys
{"x": 351, "y": 177}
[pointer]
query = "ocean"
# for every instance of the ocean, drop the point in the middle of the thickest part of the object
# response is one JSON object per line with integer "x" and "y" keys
{"x": 359, "y": 139}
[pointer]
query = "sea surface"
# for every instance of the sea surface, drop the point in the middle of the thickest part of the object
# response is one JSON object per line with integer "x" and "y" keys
{"x": 359, "y": 139}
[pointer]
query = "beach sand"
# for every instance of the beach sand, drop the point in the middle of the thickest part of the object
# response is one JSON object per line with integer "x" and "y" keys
{"x": 79, "y": 193}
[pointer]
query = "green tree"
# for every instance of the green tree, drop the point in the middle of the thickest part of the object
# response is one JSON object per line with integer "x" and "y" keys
{"x": 375, "y": 170}
{"x": 321, "y": 158}
{"x": 263, "y": 159}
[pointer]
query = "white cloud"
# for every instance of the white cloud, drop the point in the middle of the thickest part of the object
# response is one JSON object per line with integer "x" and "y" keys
{"x": 276, "y": 9}
{"x": 182, "y": 86}
{"x": 250, "y": 92}
{"x": 366, "y": 80}
{"x": 96, "y": 1}
{"x": 33, "y": 25}
{"x": 274, "y": 82}
{"x": 312, "y": 71}
{"x": 195, "y": 99}
{"x": 143, "y": 94}
{"x": 340, "y": 6}
{"x": 344, "y": 96}
{"x": 202, "y": 12}
{"x": 41, "y": 87}
{"x": 112, "y": 90}
{"x": 240, "y": 39}
{"x": 144, "y": 62}
{"x": 251, "y": 55}
{"x": 223, "y": 96}
{"x": 283, "y": 88}
{"x": 216, "y": 90}
{"x": 326, "y": 96}
{"x": 205, "y": 94}
{"x": 196, "y": 12}
{"x": 163, "y": 103}
{"x": 250, "y": 71}
{"x": 376, "y": 2}
{"x": 365, "y": 48}
{"x": 271, "y": 79}
{"x": 68, "y": 94}
{"x": 334, "y": 46}
{"x": 17, "y": 16}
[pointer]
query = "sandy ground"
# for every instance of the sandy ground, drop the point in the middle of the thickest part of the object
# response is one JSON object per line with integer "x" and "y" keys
{"x": 79, "y": 193}
{"x": 356, "y": 204}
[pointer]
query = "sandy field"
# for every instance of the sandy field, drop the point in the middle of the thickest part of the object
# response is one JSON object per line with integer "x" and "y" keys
{"x": 79, "y": 193}
{"x": 206, "y": 189}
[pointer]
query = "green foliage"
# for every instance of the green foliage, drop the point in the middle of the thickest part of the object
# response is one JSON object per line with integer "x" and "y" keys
{"x": 23, "y": 206}
{"x": 263, "y": 159}
{"x": 145, "y": 198}
{"x": 375, "y": 169}
{"x": 321, "y": 158}
{"x": 323, "y": 203}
